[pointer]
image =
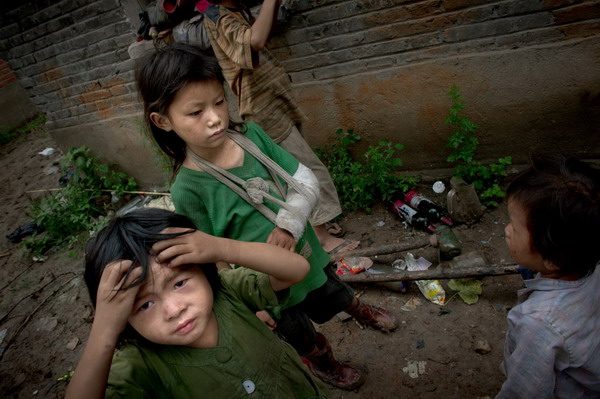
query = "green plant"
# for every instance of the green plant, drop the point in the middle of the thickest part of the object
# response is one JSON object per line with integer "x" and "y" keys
{"x": 360, "y": 183}
{"x": 81, "y": 205}
{"x": 9, "y": 133}
{"x": 485, "y": 178}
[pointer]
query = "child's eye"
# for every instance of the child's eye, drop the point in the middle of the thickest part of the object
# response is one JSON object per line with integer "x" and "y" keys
{"x": 181, "y": 283}
{"x": 221, "y": 102}
{"x": 146, "y": 306}
{"x": 196, "y": 112}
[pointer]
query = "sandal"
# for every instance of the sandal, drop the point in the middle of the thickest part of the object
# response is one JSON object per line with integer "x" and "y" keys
{"x": 334, "y": 229}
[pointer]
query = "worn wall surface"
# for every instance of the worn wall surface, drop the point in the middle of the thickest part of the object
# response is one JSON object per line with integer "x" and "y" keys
{"x": 529, "y": 72}
{"x": 15, "y": 106}
{"x": 71, "y": 58}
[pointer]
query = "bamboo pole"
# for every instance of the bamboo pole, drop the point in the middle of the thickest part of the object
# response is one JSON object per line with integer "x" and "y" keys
{"x": 437, "y": 273}
{"x": 383, "y": 249}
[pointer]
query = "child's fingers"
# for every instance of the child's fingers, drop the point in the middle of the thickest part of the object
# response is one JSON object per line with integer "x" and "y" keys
{"x": 162, "y": 244}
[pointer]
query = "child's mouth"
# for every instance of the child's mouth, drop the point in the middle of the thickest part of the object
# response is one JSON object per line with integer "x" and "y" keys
{"x": 185, "y": 327}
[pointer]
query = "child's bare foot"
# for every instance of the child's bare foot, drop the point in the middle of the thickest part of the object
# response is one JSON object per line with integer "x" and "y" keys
{"x": 332, "y": 244}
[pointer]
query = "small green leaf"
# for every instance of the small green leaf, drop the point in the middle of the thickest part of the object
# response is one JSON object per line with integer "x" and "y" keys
{"x": 468, "y": 289}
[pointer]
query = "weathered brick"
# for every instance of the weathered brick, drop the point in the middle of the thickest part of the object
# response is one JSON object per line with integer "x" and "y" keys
{"x": 580, "y": 12}
{"x": 549, "y": 4}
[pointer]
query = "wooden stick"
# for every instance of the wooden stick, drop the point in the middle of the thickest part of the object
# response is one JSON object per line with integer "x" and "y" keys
{"x": 438, "y": 273}
{"x": 106, "y": 190}
{"x": 383, "y": 249}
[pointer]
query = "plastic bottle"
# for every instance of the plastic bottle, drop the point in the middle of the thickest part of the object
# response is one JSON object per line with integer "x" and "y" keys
{"x": 434, "y": 212}
{"x": 412, "y": 217}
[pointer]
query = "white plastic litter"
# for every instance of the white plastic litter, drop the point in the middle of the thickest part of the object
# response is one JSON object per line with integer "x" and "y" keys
{"x": 439, "y": 187}
{"x": 47, "y": 151}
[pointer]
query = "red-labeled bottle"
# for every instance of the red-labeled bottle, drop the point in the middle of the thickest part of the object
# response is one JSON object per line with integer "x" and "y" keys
{"x": 412, "y": 217}
{"x": 434, "y": 212}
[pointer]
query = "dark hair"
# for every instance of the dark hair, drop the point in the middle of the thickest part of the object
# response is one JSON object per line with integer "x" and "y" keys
{"x": 130, "y": 237}
{"x": 561, "y": 198}
{"x": 160, "y": 75}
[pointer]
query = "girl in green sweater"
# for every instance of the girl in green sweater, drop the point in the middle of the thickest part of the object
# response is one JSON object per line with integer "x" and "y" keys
{"x": 245, "y": 187}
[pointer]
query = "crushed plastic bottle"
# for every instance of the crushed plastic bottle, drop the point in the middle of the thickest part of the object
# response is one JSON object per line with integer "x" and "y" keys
{"x": 431, "y": 289}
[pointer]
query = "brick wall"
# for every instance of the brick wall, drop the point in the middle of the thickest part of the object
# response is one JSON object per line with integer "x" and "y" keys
{"x": 71, "y": 58}
{"x": 529, "y": 70}
{"x": 6, "y": 74}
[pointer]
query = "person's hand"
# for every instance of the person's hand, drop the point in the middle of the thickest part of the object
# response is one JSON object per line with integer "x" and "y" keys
{"x": 194, "y": 247}
{"x": 282, "y": 238}
{"x": 114, "y": 301}
{"x": 266, "y": 318}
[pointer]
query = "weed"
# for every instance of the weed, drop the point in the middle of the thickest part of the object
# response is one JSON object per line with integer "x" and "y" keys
{"x": 485, "y": 178}
{"x": 7, "y": 134}
{"x": 372, "y": 178}
{"x": 81, "y": 205}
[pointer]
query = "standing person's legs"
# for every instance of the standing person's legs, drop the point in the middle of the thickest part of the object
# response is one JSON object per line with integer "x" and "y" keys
{"x": 297, "y": 330}
{"x": 329, "y": 204}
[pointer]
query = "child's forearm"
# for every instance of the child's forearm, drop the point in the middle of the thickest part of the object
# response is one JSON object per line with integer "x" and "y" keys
{"x": 261, "y": 28}
{"x": 91, "y": 375}
{"x": 285, "y": 268}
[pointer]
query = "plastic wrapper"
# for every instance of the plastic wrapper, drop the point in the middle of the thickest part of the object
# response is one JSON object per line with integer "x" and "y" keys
{"x": 431, "y": 289}
{"x": 352, "y": 265}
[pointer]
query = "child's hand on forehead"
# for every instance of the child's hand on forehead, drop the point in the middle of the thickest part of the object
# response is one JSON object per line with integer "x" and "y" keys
{"x": 115, "y": 300}
{"x": 194, "y": 247}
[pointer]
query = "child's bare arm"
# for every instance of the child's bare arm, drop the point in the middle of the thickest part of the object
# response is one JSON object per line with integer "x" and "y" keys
{"x": 261, "y": 28}
{"x": 113, "y": 308}
{"x": 284, "y": 268}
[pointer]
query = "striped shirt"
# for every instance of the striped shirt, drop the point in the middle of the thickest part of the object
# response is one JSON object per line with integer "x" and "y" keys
{"x": 260, "y": 83}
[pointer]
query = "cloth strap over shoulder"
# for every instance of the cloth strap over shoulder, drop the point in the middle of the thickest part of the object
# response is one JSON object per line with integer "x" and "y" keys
{"x": 254, "y": 190}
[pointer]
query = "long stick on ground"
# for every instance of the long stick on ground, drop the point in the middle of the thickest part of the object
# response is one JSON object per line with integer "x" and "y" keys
{"x": 438, "y": 273}
{"x": 384, "y": 249}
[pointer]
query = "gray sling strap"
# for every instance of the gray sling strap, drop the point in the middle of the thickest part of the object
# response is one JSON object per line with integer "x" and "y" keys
{"x": 253, "y": 190}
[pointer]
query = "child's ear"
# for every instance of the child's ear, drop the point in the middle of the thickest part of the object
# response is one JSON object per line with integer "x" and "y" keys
{"x": 550, "y": 266}
{"x": 162, "y": 122}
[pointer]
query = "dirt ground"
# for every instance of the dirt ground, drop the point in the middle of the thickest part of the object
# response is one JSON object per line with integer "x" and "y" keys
{"x": 46, "y": 315}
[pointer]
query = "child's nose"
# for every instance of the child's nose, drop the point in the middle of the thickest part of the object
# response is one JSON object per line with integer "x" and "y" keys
{"x": 213, "y": 117}
{"x": 173, "y": 308}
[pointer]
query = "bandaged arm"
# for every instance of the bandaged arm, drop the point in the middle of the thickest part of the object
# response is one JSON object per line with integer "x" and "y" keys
{"x": 295, "y": 222}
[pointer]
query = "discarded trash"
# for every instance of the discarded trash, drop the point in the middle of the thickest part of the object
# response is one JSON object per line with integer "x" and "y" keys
{"x": 425, "y": 206}
{"x": 400, "y": 286}
{"x": 431, "y": 289}
{"x": 469, "y": 259}
{"x": 136, "y": 203}
{"x": 25, "y": 230}
{"x": 47, "y": 151}
{"x": 50, "y": 170}
{"x": 438, "y": 187}
{"x": 381, "y": 223}
{"x": 412, "y": 217}
{"x": 352, "y": 265}
{"x": 412, "y": 304}
{"x": 414, "y": 368}
{"x": 447, "y": 242}
{"x": 66, "y": 178}
{"x": 420, "y": 343}
{"x": 463, "y": 203}
{"x": 40, "y": 259}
